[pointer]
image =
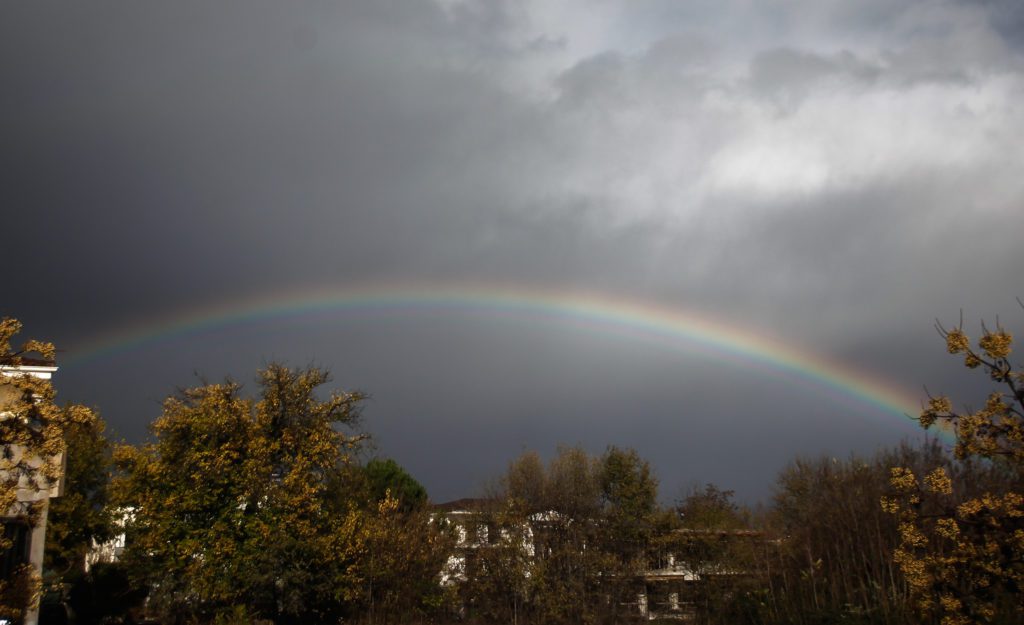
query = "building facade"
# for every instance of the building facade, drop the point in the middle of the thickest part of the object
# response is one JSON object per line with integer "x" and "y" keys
{"x": 26, "y": 532}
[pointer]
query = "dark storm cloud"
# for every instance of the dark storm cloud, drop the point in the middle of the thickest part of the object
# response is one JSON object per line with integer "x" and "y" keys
{"x": 1006, "y": 17}
{"x": 831, "y": 174}
{"x": 196, "y": 149}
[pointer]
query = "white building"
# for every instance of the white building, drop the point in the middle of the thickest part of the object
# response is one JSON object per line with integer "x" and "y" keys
{"x": 29, "y": 540}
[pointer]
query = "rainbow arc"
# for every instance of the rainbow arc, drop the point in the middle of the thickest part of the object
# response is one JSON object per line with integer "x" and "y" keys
{"x": 682, "y": 328}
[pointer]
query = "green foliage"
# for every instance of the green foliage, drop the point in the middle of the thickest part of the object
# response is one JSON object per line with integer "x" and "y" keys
{"x": 567, "y": 541}
{"x": 103, "y": 594}
{"x": 832, "y": 552}
{"x": 405, "y": 553}
{"x": 498, "y": 584}
{"x": 81, "y": 515}
{"x": 230, "y": 505}
{"x": 572, "y": 485}
{"x": 565, "y": 576}
{"x": 524, "y": 483}
{"x": 711, "y": 508}
{"x": 834, "y": 555}
{"x": 387, "y": 477}
{"x": 709, "y": 537}
{"x": 629, "y": 490}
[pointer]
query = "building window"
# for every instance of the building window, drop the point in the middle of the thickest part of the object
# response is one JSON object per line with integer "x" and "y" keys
{"x": 17, "y": 532}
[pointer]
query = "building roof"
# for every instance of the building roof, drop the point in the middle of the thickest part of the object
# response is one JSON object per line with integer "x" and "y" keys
{"x": 717, "y": 532}
{"x": 27, "y": 361}
{"x": 474, "y": 504}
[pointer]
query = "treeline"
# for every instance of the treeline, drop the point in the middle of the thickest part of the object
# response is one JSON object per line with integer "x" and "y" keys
{"x": 832, "y": 558}
{"x": 244, "y": 510}
{"x": 822, "y": 551}
{"x": 565, "y": 542}
{"x": 267, "y": 508}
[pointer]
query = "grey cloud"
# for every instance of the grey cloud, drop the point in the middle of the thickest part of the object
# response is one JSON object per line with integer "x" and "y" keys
{"x": 832, "y": 174}
{"x": 1005, "y": 16}
{"x": 786, "y": 76}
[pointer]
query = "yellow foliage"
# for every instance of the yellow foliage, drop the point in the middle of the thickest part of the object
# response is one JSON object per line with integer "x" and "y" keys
{"x": 32, "y": 430}
{"x": 957, "y": 341}
{"x": 960, "y": 555}
{"x": 947, "y": 528}
{"x": 938, "y": 482}
{"x": 996, "y": 344}
{"x": 890, "y": 505}
{"x": 233, "y": 502}
{"x": 903, "y": 479}
{"x": 911, "y": 535}
{"x": 937, "y": 407}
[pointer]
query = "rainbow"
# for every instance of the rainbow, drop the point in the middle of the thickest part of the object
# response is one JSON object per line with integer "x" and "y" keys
{"x": 636, "y": 318}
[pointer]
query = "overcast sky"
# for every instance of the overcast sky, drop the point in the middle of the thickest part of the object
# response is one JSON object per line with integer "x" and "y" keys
{"x": 833, "y": 175}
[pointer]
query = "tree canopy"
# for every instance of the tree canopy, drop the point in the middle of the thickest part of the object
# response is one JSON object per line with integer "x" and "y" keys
{"x": 230, "y": 509}
{"x": 385, "y": 477}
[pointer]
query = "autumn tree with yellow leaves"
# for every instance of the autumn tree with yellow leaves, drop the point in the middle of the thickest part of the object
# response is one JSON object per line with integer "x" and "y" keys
{"x": 32, "y": 430}
{"x": 962, "y": 544}
{"x": 400, "y": 570}
{"x": 230, "y": 512}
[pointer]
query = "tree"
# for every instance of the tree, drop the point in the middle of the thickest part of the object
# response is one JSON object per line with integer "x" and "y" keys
{"x": 962, "y": 552}
{"x": 386, "y": 478}
{"x": 524, "y": 483}
{"x": 32, "y": 430}
{"x": 566, "y": 584}
{"x": 832, "y": 557}
{"x": 405, "y": 554}
{"x": 707, "y": 535}
{"x": 566, "y": 541}
{"x": 629, "y": 492}
{"x": 230, "y": 506}
{"x": 499, "y": 576}
{"x": 81, "y": 516}
{"x": 405, "y": 550}
{"x": 711, "y": 509}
